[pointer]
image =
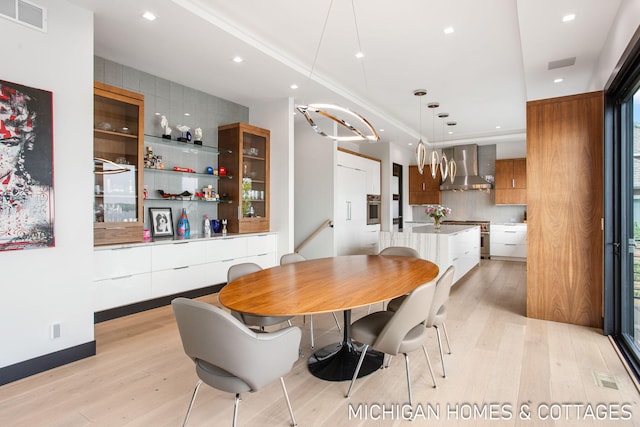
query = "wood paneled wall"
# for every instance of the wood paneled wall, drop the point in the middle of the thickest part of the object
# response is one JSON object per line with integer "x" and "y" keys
{"x": 565, "y": 207}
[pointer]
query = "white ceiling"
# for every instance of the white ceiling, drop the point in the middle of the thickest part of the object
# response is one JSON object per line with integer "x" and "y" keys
{"x": 482, "y": 74}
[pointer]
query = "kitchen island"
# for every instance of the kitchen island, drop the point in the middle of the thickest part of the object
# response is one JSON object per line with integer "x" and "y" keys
{"x": 457, "y": 245}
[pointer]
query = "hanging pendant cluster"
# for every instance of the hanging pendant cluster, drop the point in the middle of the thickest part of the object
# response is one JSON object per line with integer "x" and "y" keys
{"x": 447, "y": 167}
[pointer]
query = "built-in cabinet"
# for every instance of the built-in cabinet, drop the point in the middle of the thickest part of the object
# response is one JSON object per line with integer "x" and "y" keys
{"x": 509, "y": 241}
{"x": 117, "y": 151}
{"x": 511, "y": 182}
{"x": 356, "y": 176}
{"x": 126, "y": 275}
{"x": 244, "y": 153}
{"x": 423, "y": 188}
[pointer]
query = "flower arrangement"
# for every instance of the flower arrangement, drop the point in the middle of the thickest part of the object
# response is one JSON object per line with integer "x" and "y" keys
{"x": 437, "y": 212}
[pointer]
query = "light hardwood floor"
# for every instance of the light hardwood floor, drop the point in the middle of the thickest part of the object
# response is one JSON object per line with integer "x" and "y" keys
{"x": 500, "y": 360}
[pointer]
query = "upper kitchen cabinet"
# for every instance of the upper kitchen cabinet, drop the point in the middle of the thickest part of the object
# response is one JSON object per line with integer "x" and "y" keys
{"x": 117, "y": 149}
{"x": 369, "y": 165}
{"x": 423, "y": 188}
{"x": 511, "y": 182}
{"x": 244, "y": 152}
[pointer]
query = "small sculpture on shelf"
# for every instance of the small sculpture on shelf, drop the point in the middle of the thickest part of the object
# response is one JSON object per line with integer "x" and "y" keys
{"x": 166, "y": 130}
{"x": 198, "y": 136}
{"x": 186, "y": 135}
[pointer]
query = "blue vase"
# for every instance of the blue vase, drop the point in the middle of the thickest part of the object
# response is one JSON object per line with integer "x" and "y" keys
{"x": 216, "y": 225}
{"x": 184, "y": 230}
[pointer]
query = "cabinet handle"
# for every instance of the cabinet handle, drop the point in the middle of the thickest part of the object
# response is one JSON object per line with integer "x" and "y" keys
{"x": 239, "y": 212}
{"x": 228, "y": 260}
{"x": 181, "y": 268}
{"x": 513, "y": 183}
{"x": 121, "y": 248}
{"x": 423, "y": 186}
{"x": 180, "y": 243}
{"x": 122, "y": 277}
{"x": 513, "y": 232}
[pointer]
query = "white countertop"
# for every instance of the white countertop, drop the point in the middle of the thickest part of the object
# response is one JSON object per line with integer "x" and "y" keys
{"x": 444, "y": 229}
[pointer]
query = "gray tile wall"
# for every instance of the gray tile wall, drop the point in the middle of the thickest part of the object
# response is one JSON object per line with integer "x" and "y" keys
{"x": 173, "y": 100}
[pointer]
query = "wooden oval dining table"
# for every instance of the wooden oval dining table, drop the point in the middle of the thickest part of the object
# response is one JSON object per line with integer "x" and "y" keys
{"x": 325, "y": 285}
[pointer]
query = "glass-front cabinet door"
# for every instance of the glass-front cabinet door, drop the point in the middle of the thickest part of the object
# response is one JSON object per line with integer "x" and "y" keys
{"x": 117, "y": 151}
{"x": 245, "y": 155}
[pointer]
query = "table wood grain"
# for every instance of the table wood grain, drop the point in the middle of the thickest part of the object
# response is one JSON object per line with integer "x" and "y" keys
{"x": 326, "y": 284}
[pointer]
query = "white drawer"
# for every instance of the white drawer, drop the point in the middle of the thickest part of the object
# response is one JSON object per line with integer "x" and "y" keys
{"x": 509, "y": 250}
{"x": 119, "y": 291}
{"x": 177, "y": 254}
{"x": 263, "y": 260}
{"x": 229, "y": 248}
{"x": 176, "y": 280}
{"x": 514, "y": 237}
{"x": 119, "y": 262}
{"x": 262, "y": 244}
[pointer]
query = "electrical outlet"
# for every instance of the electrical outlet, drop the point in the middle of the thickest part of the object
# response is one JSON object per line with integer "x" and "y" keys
{"x": 55, "y": 331}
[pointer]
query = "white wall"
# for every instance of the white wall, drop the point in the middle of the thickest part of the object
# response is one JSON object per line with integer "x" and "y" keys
{"x": 623, "y": 30}
{"x": 278, "y": 118}
{"x": 315, "y": 158}
{"x": 45, "y": 286}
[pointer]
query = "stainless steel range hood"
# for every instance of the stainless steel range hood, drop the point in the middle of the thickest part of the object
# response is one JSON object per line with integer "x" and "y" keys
{"x": 467, "y": 178}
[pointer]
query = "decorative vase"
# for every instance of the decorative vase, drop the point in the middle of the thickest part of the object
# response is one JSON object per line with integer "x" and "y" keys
{"x": 436, "y": 223}
{"x": 183, "y": 229}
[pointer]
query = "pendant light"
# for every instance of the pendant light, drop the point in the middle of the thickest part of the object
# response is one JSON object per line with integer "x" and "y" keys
{"x": 452, "y": 163}
{"x": 421, "y": 149}
{"x": 435, "y": 159}
{"x": 360, "y": 129}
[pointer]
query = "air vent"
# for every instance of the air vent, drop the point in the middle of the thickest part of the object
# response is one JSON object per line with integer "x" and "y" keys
{"x": 560, "y": 63}
{"x": 25, "y": 13}
{"x": 607, "y": 380}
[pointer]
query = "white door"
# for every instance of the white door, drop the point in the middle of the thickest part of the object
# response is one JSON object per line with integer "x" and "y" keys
{"x": 351, "y": 210}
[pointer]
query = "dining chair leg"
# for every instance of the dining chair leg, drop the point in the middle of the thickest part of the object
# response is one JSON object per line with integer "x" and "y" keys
{"x": 355, "y": 374}
{"x": 286, "y": 397}
{"x": 446, "y": 336}
{"x": 389, "y": 361}
{"x": 444, "y": 372}
{"x": 193, "y": 399}
{"x": 311, "y": 330}
{"x": 289, "y": 322}
{"x": 235, "y": 409}
{"x": 406, "y": 363}
{"x": 426, "y": 355}
{"x": 337, "y": 323}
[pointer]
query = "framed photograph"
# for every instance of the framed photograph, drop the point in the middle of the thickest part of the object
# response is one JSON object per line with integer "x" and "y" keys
{"x": 161, "y": 222}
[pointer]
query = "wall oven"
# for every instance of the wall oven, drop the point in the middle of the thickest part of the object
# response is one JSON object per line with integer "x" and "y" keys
{"x": 374, "y": 208}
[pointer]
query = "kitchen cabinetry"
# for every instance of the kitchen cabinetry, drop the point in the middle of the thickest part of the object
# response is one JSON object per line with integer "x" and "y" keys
{"x": 245, "y": 155}
{"x": 423, "y": 188}
{"x": 117, "y": 151}
{"x": 126, "y": 275}
{"x": 356, "y": 176}
{"x": 511, "y": 182}
{"x": 509, "y": 240}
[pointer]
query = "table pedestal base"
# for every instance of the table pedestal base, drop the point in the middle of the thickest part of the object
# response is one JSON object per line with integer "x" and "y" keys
{"x": 337, "y": 362}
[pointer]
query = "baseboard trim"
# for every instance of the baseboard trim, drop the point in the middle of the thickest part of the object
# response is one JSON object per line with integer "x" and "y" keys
{"x": 43, "y": 363}
{"x": 125, "y": 310}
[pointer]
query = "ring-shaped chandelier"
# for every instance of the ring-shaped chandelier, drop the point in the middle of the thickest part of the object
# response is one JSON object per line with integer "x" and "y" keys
{"x": 329, "y": 111}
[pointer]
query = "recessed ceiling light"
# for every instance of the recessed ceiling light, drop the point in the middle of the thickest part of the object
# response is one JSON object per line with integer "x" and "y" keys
{"x": 450, "y": 132}
{"x": 498, "y": 127}
{"x": 380, "y": 130}
{"x": 411, "y": 143}
{"x": 359, "y": 55}
{"x": 149, "y": 16}
{"x": 187, "y": 114}
{"x": 568, "y": 18}
{"x": 238, "y": 59}
{"x": 157, "y": 114}
{"x": 448, "y": 30}
{"x": 558, "y": 80}
{"x": 294, "y": 86}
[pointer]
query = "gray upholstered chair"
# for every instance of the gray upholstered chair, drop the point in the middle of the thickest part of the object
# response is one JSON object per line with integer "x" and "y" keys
{"x": 400, "y": 251}
{"x": 239, "y": 270}
{"x": 231, "y": 357}
{"x": 395, "y": 332}
{"x": 296, "y": 257}
{"x": 438, "y": 311}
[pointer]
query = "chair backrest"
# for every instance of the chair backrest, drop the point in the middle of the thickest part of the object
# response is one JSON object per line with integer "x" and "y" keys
{"x": 239, "y": 270}
{"x": 212, "y": 335}
{"x": 400, "y": 251}
{"x": 441, "y": 296}
{"x": 291, "y": 258}
{"x": 410, "y": 314}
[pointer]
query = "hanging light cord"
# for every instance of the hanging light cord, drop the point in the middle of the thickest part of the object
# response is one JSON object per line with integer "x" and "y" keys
{"x": 324, "y": 27}
{"x": 355, "y": 21}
